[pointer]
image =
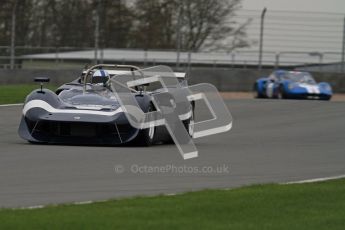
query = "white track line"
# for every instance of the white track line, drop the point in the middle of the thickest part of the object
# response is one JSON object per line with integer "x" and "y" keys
{"x": 8, "y": 105}
{"x": 170, "y": 194}
{"x": 316, "y": 180}
{"x": 84, "y": 202}
{"x": 55, "y": 205}
{"x": 174, "y": 194}
{"x": 31, "y": 207}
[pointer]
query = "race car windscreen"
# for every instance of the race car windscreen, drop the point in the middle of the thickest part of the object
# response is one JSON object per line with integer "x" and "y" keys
{"x": 300, "y": 77}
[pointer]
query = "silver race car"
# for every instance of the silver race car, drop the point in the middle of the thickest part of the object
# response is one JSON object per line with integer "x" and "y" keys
{"x": 88, "y": 111}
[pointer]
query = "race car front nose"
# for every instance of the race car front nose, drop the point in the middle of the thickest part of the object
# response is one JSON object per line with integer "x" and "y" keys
{"x": 77, "y": 117}
{"x": 41, "y": 110}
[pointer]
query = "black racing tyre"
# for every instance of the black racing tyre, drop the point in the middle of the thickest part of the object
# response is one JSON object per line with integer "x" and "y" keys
{"x": 146, "y": 136}
{"x": 256, "y": 92}
{"x": 281, "y": 92}
{"x": 37, "y": 142}
{"x": 189, "y": 124}
{"x": 326, "y": 98}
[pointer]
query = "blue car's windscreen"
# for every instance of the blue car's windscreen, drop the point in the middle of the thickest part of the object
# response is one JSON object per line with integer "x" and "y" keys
{"x": 300, "y": 77}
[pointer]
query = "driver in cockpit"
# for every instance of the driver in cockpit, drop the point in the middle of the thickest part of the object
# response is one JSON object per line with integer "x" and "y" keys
{"x": 100, "y": 77}
{"x": 99, "y": 82}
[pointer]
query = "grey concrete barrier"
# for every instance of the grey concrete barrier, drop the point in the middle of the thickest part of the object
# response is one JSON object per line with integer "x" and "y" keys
{"x": 25, "y": 76}
{"x": 224, "y": 79}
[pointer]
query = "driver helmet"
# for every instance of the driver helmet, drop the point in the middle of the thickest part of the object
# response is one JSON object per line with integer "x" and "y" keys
{"x": 100, "y": 77}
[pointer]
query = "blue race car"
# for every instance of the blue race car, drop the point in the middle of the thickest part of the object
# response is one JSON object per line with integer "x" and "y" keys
{"x": 292, "y": 85}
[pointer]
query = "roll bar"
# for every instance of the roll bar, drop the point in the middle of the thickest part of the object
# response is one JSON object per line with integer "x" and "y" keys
{"x": 99, "y": 66}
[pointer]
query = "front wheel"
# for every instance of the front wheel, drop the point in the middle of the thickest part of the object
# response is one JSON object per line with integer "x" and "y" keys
{"x": 256, "y": 91}
{"x": 189, "y": 124}
{"x": 146, "y": 136}
{"x": 327, "y": 98}
{"x": 281, "y": 92}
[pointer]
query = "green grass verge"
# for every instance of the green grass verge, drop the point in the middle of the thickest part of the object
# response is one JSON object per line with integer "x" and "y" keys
{"x": 299, "y": 206}
{"x": 16, "y": 93}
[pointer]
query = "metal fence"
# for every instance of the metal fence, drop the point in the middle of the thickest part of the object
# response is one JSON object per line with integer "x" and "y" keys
{"x": 302, "y": 40}
{"x": 70, "y": 57}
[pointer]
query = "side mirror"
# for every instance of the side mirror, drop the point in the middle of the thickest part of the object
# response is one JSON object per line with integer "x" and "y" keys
{"x": 41, "y": 80}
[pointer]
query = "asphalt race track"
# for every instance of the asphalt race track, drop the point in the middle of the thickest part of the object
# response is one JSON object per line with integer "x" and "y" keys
{"x": 271, "y": 141}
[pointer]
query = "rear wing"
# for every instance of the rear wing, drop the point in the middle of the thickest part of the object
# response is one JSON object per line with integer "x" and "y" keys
{"x": 179, "y": 75}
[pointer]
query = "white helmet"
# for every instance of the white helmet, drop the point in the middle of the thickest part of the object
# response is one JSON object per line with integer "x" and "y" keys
{"x": 100, "y": 76}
